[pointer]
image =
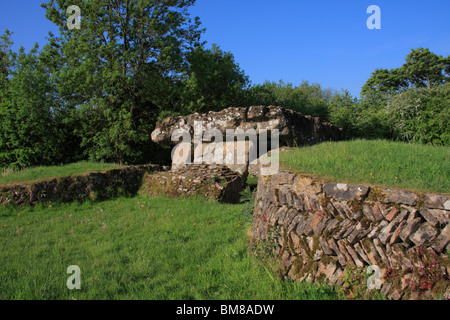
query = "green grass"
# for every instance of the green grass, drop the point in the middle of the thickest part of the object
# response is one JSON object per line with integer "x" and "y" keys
{"x": 45, "y": 172}
{"x": 137, "y": 248}
{"x": 375, "y": 162}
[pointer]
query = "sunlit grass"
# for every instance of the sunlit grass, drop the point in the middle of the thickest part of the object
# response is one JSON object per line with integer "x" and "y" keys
{"x": 375, "y": 162}
{"x": 45, "y": 172}
{"x": 137, "y": 248}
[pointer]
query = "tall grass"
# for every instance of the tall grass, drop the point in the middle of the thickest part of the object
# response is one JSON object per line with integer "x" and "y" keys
{"x": 137, "y": 248}
{"x": 375, "y": 162}
{"x": 45, "y": 172}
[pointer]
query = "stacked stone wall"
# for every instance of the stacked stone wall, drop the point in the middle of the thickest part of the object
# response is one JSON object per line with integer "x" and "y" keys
{"x": 319, "y": 228}
{"x": 95, "y": 186}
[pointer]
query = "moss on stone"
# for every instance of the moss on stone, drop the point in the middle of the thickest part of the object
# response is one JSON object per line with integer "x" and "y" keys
{"x": 367, "y": 244}
{"x": 365, "y": 222}
{"x": 376, "y": 194}
{"x": 309, "y": 268}
{"x": 355, "y": 206}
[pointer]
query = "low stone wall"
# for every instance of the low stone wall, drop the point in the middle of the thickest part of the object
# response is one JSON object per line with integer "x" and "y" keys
{"x": 94, "y": 186}
{"x": 216, "y": 182}
{"x": 319, "y": 228}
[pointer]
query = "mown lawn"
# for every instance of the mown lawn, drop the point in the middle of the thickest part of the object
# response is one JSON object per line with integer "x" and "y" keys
{"x": 137, "y": 248}
{"x": 375, "y": 162}
{"x": 45, "y": 172}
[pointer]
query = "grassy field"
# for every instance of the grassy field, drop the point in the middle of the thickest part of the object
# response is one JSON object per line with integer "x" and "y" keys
{"x": 137, "y": 248}
{"x": 159, "y": 248}
{"x": 44, "y": 172}
{"x": 385, "y": 163}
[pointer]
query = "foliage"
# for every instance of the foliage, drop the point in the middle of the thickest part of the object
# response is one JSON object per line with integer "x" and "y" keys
{"x": 410, "y": 103}
{"x": 213, "y": 81}
{"x": 421, "y": 115}
{"x": 120, "y": 69}
{"x": 307, "y": 98}
{"x": 385, "y": 81}
{"x": 425, "y": 275}
{"x": 354, "y": 283}
{"x": 424, "y": 68}
{"x": 97, "y": 92}
{"x": 35, "y": 124}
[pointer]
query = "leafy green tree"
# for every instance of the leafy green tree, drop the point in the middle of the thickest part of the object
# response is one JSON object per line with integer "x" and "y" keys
{"x": 7, "y": 60}
{"x": 421, "y": 115}
{"x": 424, "y": 68}
{"x": 36, "y": 127}
{"x": 214, "y": 81}
{"x": 307, "y": 98}
{"x": 119, "y": 69}
{"x": 343, "y": 111}
{"x": 385, "y": 81}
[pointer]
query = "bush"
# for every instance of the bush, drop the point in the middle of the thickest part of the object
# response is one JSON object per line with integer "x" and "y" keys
{"x": 421, "y": 115}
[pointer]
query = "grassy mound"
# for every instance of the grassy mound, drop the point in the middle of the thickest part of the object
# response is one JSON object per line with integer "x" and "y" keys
{"x": 375, "y": 162}
{"x": 45, "y": 172}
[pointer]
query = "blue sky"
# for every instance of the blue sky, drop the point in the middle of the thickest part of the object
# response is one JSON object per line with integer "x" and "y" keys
{"x": 326, "y": 42}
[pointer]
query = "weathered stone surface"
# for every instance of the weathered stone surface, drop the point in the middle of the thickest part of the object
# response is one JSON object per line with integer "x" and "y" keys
{"x": 358, "y": 233}
{"x": 235, "y": 154}
{"x": 437, "y": 201}
{"x": 318, "y": 221}
{"x": 400, "y": 197}
{"x": 181, "y": 155}
{"x": 429, "y": 217}
{"x": 392, "y": 214}
{"x": 442, "y": 216}
{"x": 409, "y": 229}
{"x": 293, "y": 126}
{"x": 358, "y": 248}
{"x": 377, "y": 212}
{"x": 343, "y": 191}
{"x": 354, "y": 256}
{"x": 424, "y": 235}
{"x": 304, "y": 184}
{"x": 282, "y": 177}
{"x": 387, "y": 231}
{"x": 395, "y": 238}
{"x": 442, "y": 240}
{"x": 212, "y": 182}
{"x": 217, "y": 129}
{"x": 362, "y": 232}
{"x": 94, "y": 186}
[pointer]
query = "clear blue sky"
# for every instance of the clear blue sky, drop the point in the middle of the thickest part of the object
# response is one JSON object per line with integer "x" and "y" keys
{"x": 326, "y": 42}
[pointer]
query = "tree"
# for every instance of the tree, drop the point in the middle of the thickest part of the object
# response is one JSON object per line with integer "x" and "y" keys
{"x": 423, "y": 68}
{"x": 343, "y": 111}
{"x": 118, "y": 68}
{"x": 35, "y": 125}
{"x": 307, "y": 98}
{"x": 421, "y": 115}
{"x": 213, "y": 81}
{"x": 385, "y": 81}
{"x": 7, "y": 60}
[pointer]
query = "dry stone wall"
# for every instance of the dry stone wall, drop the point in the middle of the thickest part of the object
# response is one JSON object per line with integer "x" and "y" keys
{"x": 320, "y": 227}
{"x": 94, "y": 185}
